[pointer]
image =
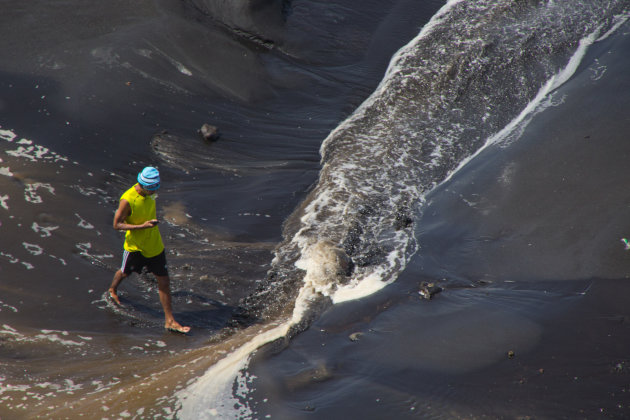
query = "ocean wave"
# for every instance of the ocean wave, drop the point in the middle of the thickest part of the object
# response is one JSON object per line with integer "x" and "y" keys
{"x": 472, "y": 77}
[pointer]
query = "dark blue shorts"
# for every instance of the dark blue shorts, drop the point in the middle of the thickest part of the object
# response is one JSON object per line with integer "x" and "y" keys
{"x": 135, "y": 262}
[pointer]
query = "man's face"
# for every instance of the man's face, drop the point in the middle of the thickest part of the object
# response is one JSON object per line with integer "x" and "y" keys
{"x": 147, "y": 192}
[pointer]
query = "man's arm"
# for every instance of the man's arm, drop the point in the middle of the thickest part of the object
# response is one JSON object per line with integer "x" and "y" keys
{"x": 124, "y": 209}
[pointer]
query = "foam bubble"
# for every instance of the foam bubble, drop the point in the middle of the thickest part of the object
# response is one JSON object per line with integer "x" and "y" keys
{"x": 85, "y": 248}
{"x": 55, "y": 338}
{"x": 33, "y": 249}
{"x": 10, "y": 257}
{"x": 8, "y": 329}
{"x": 61, "y": 260}
{"x": 9, "y": 307}
{"x": 3, "y": 201}
{"x": 83, "y": 223}
{"x": 44, "y": 231}
{"x": 28, "y": 265}
{"x": 7, "y": 135}
{"x": 30, "y": 192}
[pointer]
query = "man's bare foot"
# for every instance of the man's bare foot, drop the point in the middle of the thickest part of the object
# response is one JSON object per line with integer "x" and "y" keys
{"x": 176, "y": 327}
{"x": 114, "y": 297}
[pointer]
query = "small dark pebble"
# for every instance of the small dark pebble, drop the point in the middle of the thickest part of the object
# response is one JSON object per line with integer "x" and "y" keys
{"x": 209, "y": 132}
{"x": 355, "y": 336}
{"x": 428, "y": 290}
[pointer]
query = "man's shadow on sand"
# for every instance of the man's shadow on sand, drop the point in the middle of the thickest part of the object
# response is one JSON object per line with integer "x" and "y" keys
{"x": 208, "y": 315}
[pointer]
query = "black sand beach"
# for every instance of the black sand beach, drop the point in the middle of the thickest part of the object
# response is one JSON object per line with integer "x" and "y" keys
{"x": 533, "y": 321}
{"x": 524, "y": 240}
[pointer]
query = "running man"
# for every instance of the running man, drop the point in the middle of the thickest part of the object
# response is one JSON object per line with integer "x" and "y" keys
{"x": 143, "y": 243}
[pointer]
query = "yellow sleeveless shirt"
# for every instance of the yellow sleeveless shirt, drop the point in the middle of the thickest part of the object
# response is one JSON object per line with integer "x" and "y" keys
{"x": 147, "y": 241}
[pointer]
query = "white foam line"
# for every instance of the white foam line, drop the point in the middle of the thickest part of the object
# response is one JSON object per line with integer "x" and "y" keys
{"x": 361, "y": 288}
{"x": 84, "y": 223}
{"x": 7, "y": 135}
{"x": 620, "y": 20}
{"x": 179, "y": 66}
{"x": 210, "y": 396}
{"x": 391, "y": 70}
{"x": 551, "y": 85}
{"x": 33, "y": 249}
{"x": 3, "y": 201}
{"x": 426, "y": 30}
{"x": 44, "y": 232}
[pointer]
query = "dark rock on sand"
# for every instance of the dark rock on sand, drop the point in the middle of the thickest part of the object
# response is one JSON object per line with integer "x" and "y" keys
{"x": 428, "y": 290}
{"x": 355, "y": 336}
{"x": 209, "y": 132}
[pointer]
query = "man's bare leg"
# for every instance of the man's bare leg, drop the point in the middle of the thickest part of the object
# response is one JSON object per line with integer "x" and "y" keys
{"x": 165, "y": 299}
{"x": 113, "y": 289}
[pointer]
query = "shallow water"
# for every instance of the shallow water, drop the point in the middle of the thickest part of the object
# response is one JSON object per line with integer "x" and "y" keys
{"x": 94, "y": 95}
{"x": 533, "y": 320}
{"x": 524, "y": 239}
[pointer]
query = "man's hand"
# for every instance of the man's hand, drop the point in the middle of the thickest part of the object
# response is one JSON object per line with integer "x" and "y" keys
{"x": 146, "y": 225}
{"x": 124, "y": 210}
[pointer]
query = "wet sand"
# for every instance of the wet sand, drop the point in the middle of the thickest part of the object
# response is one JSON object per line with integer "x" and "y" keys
{"x": 525, "y": 240}
{"x": 533, "y": 321}
{"x": 95, "y": 88}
